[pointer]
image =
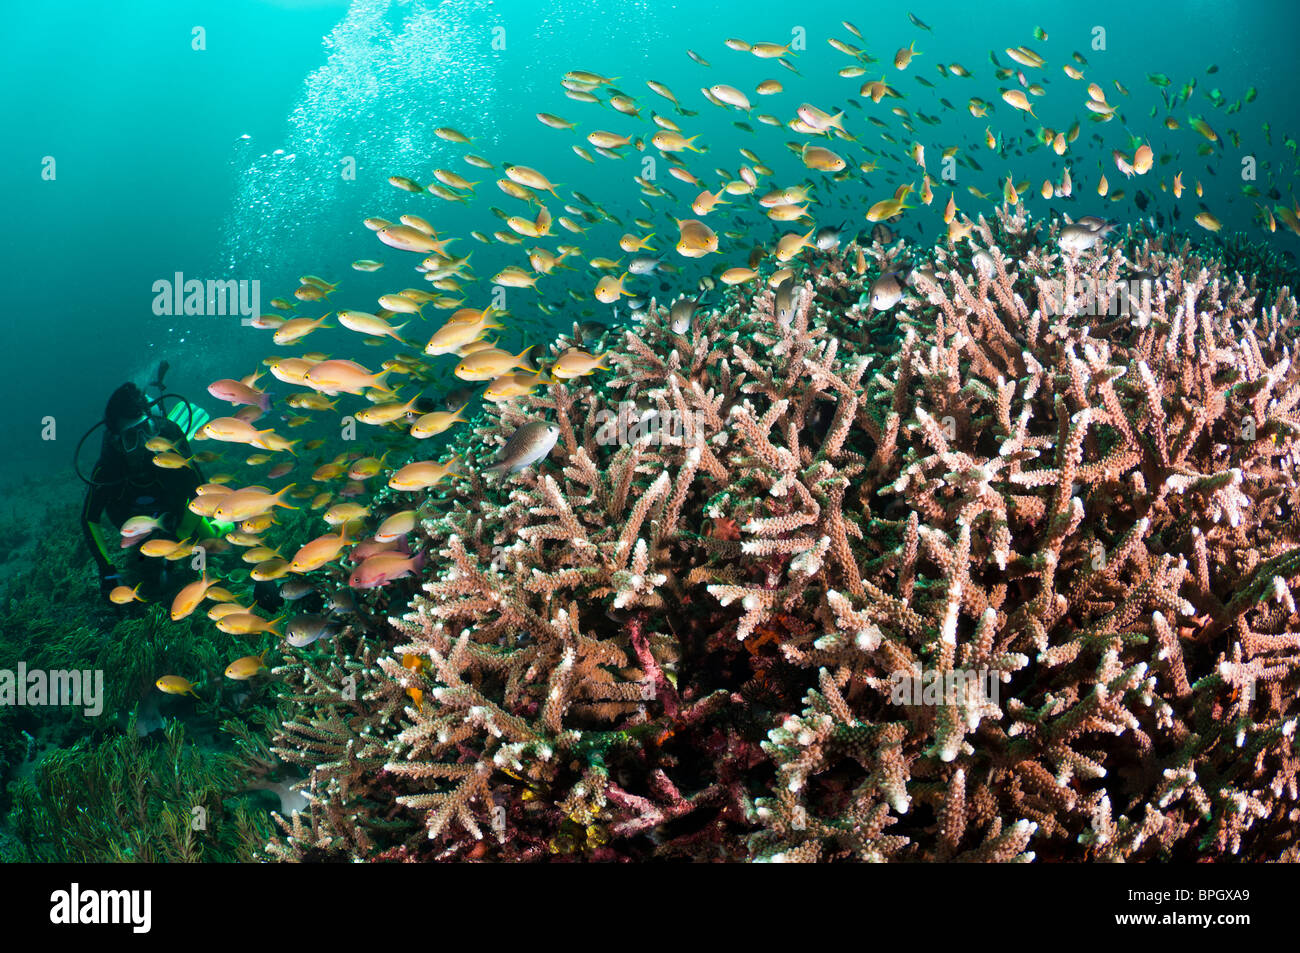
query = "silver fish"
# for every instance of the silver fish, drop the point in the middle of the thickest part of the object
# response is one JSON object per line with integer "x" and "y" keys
{"x": 1084, "y": 234}
{"x": 983, "y": 262}
{"x": 643, "y": 265}
{"x": 530, "y": 444}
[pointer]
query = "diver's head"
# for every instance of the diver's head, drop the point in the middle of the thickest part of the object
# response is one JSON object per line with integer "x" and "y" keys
{"x": 127, "y": 408}
{"x": 128, "y": 417}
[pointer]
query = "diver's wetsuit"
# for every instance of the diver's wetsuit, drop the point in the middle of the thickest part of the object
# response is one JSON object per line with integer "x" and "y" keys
{"x": 127, "y": 483}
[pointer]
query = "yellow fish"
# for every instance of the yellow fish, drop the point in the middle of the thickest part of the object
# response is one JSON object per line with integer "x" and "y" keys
{"x": 175, "y": 685}
{"x": 1017, "y": 99}
{"x": 386, "y": 413}
{"x": 245, "y": 668}
{"x": 269, "y": 569}
{"x": 431, "y": 425}
{"x": 514, "y": 385}
{"x": 163, "y": 548}
{"x": 609, "y": 289}
{"x": 246, "y": 623}
{"x": 239, "y": 505}
{"x": 122, "y": 595}
{"x": 491, "y": 363}
{"x": 1207, "y": 221}
{"x": 321, "y": 550}
{"x": 422, "y": 474}
{"x": 171, "y": 460}
{"x": 697, "y": 239}
{"x": 529, "y": 178}
{"x": 455, "y": 334}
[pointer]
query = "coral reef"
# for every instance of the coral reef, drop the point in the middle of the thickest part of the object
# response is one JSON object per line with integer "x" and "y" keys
{"x": 685, "y": 633}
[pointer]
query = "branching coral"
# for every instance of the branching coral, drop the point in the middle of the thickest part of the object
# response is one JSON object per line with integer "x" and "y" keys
{"x": 689, "y": 640}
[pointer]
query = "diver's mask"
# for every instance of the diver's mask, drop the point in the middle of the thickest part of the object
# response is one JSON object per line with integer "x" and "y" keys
{"x": 134, "y": 435}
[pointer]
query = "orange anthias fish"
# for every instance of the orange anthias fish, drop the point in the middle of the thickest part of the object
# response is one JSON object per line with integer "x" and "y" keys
{"x": 321, "y": 550}
{"x": 188, "y": 599}
{"x": 382, "y": 568}
{"x": 240, "y": 505}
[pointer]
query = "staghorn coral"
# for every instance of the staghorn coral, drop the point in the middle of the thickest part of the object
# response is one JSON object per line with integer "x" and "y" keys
{"x": 687, "y": 640}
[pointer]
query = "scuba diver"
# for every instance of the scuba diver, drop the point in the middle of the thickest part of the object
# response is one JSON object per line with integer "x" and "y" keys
{"x": 126, "y": 482}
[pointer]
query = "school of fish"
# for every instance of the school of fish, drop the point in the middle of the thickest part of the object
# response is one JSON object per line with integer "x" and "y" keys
{"x": 874, "y": 166}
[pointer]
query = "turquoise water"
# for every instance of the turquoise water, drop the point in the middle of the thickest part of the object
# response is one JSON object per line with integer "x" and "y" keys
{"x": 154, "y": 177}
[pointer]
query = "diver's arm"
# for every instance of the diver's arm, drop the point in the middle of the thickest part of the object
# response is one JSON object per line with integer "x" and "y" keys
{"x": 157, "y": 382}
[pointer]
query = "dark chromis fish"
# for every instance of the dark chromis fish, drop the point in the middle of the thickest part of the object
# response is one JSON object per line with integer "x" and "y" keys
{"x": 306, "y": 629}
{"x": 296, "y": 588}
{"x": 591, "y": 330}
{"x": 828, "y": 239}
{"x": 455, "y": 399}
{"x": 342, "y": 602}
{"x": 528, "y": 445}
{"x": 785, "y": 301}
{"x": 886, "y": 291}
{"x": 680, "y": 316}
